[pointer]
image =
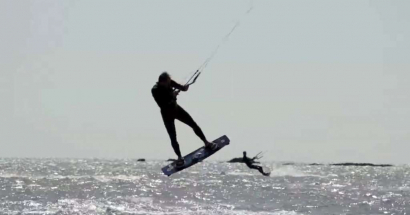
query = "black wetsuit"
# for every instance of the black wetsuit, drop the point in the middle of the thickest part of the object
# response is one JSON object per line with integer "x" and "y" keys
{"x": 170, "y": 111}
{"x": 248, "y": 163}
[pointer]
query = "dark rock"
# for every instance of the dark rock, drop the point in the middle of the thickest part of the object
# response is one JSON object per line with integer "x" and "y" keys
{"x": 236, "y": 160}
{"x": 362, "y": 164}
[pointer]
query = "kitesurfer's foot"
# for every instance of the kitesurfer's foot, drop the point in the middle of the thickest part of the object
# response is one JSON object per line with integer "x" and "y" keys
{"x": 180, "y": 162}
{"x": 211, "y": 145}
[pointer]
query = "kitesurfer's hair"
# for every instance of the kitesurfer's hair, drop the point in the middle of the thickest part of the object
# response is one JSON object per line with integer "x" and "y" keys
{"x": 163, "y": 77}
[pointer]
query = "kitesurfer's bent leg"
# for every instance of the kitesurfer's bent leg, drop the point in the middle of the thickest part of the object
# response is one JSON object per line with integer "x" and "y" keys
{"x": 169, "y": 122}
{"x": 259, "y": 168}
{"x": 184, "y": 117}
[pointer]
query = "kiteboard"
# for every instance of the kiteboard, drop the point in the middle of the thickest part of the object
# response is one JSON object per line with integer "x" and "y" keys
{"x": 196, "y": 156}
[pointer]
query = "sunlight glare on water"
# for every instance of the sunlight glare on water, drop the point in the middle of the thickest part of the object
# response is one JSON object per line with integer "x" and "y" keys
{"x": 69, "y": 186}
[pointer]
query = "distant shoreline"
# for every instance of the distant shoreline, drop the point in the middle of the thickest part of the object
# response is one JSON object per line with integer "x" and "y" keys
{"x": 234, "y": 160}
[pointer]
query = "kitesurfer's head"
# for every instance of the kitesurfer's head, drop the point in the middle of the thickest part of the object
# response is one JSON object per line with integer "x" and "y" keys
{"x": 244, "y": 153}
{"x": 164, "y": 79}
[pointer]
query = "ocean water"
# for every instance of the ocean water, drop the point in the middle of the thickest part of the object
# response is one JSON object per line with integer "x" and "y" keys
{"x": 81, "y": 186}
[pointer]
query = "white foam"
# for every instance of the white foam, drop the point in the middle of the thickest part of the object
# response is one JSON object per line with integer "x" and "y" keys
{"x": 241, "y": 173}
{"x": 118, "y": 177}
{"x": 289, "y": 171}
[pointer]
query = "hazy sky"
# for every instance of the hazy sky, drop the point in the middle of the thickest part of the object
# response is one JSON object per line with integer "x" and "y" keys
{"x": 306, "y": 81}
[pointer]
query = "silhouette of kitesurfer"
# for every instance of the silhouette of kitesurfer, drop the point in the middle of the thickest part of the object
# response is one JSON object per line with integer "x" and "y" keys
{"x": 250, "y": 163}
{"x": 166, "y": 98}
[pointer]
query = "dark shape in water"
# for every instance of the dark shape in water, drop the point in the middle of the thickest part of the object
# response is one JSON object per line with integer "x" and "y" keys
{"x": 241, "y": 160}
{"x": 362, "y": 164}
{"x": 236, "y": 160}
{"x": 141, "y": 160}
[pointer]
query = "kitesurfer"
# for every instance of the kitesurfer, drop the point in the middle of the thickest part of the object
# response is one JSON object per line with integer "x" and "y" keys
{"x": 249, "y": 162}
{"x": 165, "y": 97}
